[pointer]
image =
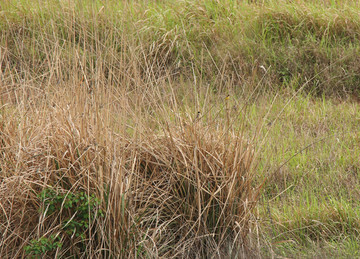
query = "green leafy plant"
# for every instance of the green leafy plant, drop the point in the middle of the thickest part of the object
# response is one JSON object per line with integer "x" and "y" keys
{"x": 77, "y": 208}
{"x": 42, "y": 245}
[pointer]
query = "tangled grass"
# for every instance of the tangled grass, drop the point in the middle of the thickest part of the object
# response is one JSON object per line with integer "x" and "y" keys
{"x": 186, "y": 190}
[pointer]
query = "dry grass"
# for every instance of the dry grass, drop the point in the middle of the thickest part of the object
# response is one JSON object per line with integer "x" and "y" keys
{"x": 182, "y": 190}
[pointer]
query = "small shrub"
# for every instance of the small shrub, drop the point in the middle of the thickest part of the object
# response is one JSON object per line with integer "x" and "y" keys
{"x": 80, "y": 209}
{"x": 42, "y": 245}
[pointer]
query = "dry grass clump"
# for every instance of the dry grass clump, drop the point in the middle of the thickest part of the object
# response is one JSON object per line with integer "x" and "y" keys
{"x": 72, "y": 185}
{"x": 203, "y": 185}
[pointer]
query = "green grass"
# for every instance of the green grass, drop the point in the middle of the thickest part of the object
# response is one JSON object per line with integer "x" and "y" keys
{"x": 102, "y": 99}
{"x": 217, "y": 42}
{"x": 312, "y": 199}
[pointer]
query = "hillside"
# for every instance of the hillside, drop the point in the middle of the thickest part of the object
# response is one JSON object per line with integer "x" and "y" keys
{"x": 179, "y": 129}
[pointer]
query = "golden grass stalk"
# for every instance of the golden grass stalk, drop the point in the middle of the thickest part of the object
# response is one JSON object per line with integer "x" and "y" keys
{"x": 184, "y": 191}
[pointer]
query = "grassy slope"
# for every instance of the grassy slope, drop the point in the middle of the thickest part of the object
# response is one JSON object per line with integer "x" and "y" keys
{"x": 225, "y": 42}
{"x": 149, "y": 56}
{"x": 310, "y": 205}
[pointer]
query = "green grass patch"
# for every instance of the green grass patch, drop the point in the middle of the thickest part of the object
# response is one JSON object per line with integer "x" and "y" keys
{"x": 305, "y": 43}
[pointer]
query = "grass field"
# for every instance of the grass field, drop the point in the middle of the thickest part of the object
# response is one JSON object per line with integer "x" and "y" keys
{"x": 179, "y": 129}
